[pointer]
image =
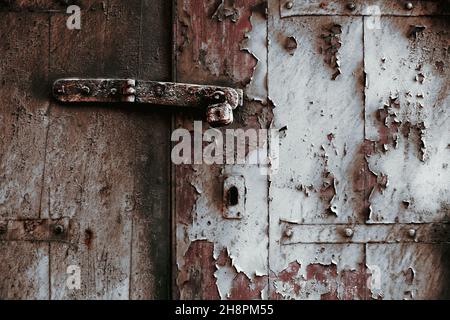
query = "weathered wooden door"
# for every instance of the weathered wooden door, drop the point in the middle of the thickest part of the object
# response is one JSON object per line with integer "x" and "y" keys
{"x": 83, "y": 188}
{"x": 357, "y": 206}
{"x": 346, "y": 113}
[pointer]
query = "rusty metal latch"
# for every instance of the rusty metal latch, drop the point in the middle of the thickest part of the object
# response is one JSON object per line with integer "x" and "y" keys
{"x": 219, "y": 102}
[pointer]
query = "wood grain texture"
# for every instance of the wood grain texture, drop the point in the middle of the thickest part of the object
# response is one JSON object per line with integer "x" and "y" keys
{"x": 105, "y": 168}
{"x": 23, "y": 119}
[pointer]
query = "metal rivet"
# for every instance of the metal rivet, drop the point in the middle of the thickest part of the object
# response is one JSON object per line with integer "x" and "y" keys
{"x": 129, "y": 91}
{"x": 58, "y": 229}
{"x": 289, "y": 5}
{"x": 351, "y": 6}
{"x": 409, "y": 6}
{"x": 85, "y": 89}
{"x": 288, "y": 233}
{"x": 218, "y": 95}
{"x": 412, "y": 233}
{"x": 113, "y": 91}
{"x": 348, "y": 232}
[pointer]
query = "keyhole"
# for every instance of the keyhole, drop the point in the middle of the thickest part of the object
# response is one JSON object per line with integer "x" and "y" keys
{"x": 233, "y": 196}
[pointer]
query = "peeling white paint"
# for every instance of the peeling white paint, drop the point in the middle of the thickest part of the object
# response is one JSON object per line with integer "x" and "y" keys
{"x": 255, "y": 43}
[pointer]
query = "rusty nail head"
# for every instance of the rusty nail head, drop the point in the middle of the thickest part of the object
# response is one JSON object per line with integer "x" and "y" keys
{"x": 409, "y": 6}
{"x": 289, "y": 5}
{"x": 351, "y": 6}
{"x": 412, "y": 233}
{"x": 348, "y": 232}
{"x": 218, "y": 94}
{"x": 58, "y": 229}
{"x": 288, "y": 233}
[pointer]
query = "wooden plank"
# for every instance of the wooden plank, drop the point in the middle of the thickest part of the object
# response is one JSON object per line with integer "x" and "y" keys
{"x": 150, "y": 259}
{"x": 109, "y": 165}
{"x": 23, "y": 112}
{"x": 89, "y": 168}
{"x": 23, "y": 105}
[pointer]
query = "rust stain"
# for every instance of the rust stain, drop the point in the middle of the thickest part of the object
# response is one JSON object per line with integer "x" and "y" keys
{"x": 186, "y": 194}
{"x": 206, "y": 56}
{"x": 354, "y": 283}
{"x": 325, "y": 275}
{"x": 196, "y": 278}
{"x": 330, "y": 49}
{"x": 88, "y": 238}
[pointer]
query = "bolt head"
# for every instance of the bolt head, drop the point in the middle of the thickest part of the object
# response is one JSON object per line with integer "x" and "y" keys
{"x": 351, "y": 6}
{"x": 58, "y": 229}
{"x": 412, "y": 233}
{"x": 289, "y": 5}
{"x": 85, "y": 89}
{"x": 348, "y": 232}
{"x": 409, "y": 6}
{"x": 288, "y": 233}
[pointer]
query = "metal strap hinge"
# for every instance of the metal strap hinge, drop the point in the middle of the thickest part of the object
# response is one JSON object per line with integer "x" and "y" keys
{"x": 219, "y": 102}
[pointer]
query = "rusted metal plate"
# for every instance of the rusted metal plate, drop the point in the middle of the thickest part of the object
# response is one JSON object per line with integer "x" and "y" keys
{"x": 366, "y": 233}
{"x": 35, "y": 230}
{"x": 289, "y": 8}
{"x": 407, "y": 120}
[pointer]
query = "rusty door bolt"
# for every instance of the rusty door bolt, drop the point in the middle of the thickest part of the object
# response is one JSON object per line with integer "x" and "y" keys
{"x": 289, "y": 5}
{"x": 351, "y": 6}
{"x": 58, "y": 229}
{"x": 409, "y": 6}
{"x": 348, "y": 232}
{"x": 412, "y": 233}
{"x": 85, "y": 90}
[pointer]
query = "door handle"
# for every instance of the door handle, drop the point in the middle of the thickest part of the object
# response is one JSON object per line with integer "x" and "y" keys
{"x": 218, "y": 102}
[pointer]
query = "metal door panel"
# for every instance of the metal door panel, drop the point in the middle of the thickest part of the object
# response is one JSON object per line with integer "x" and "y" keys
{"x": 323, "y": 117}
{"x": 410, "y": 270}
{"x": 363, "y": 153}
{"x": 407, "y": 121}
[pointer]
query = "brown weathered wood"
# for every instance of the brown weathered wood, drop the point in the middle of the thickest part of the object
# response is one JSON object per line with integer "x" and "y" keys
{"x": 24, "y": 270}
{"x": 23, "y": 112}
{"x": 23, "y": 107}
{"x": 94, "y": 179}
{"x": 150, "y": 259}
{"x": 88, "y": 170}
